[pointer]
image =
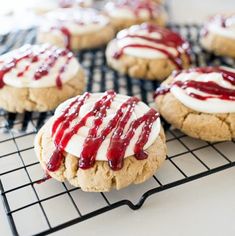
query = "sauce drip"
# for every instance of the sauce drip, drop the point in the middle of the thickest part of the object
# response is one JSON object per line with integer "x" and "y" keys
{"x": 168, "y": 39}
{"x": 81, "y": 18}
{"x": 44, "y": 179}
{"x": 67, "y": 36}
{"x": 213, "y": 89}
{"x": 28, "y": 53}
{"x": 63, "y": 130}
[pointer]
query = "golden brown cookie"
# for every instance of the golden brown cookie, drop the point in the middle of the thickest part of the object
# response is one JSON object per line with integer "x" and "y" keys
{"x": 38, "y": 78}
{"x": 218, "y": 35}
{"x": 76, "y": 29}
{"x": 139, "y": 53}
{"x": 199, "y": 103}
{"x": 124, "y": 14}
{"x": 102, "y": 161}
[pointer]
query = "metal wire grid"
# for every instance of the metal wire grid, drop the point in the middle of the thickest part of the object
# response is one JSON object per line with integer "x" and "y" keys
{"x": 188, "y": 159}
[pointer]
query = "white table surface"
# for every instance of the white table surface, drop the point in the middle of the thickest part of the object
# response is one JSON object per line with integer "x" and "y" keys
{"x": 202, "y": 207}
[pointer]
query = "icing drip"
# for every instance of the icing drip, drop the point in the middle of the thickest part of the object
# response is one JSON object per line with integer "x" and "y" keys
{"x": 168, "y": 39}
{"x": 64, "y": 128}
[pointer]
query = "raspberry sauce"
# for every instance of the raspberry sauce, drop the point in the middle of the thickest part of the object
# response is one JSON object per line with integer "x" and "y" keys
{"x": 79, "y": 18}
{"x": 213, "y": 89}
{"x": 168, "y": 39}
{"x": 220, "y": 20}
{"x": 62, "y": 131}
{"x": 53, "y": 54}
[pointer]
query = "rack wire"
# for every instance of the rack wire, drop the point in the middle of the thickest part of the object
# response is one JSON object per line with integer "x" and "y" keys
{"x": 188, "y": 159}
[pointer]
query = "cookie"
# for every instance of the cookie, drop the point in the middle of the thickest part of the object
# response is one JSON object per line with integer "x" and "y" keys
{"x": 75, "y": 29}
{"x": 102, "y": 141}
{"x": 41, "y": 7}
{"x": 38, "y": 78}
{"x": 200, "y": 102}
{"x": 218, "y": 35}
{"x": 75, "y": 3}
{"x": 125, "y": 13}
{"x": 148, "y": 51}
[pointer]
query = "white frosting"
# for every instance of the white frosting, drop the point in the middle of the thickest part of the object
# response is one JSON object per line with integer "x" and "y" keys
{"x": 127, "y": 12}
{"x": 76, "y": 20}
{"x": 142, "y": 52}
{"x": 75, "y": 145}
{"x": 44, "y": 6}
{"x": 27, "y": 80}
{"x": 211, "y": 105}
{"x": 228, "y": 31}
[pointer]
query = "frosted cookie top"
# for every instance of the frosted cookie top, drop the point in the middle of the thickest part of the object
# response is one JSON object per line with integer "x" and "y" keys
{"x": 44, "y": 6}
{"x": 105, "y": 127}
{"x": 204, "y": 89}
{"x": 37, "y": 66}
{"x": 70, "y": 22}
{"x": 223, "y": 25}
{"x": 131, "y": 9}
{"x": 75, "y": 3}
{"x": 76, "y": 20}
{"x": 151, "y": 42}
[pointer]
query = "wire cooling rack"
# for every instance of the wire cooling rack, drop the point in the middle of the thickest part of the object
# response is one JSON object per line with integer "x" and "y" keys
{"x": 188, "y": 159}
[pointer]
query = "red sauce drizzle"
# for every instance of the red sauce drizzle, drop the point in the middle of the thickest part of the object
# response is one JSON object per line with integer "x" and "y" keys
{"x": 169, "y": 39}
{"x": 93, "y": 18}
{"x": 209, "y": 87}
{"x": 119, "y": 141}
{"x": 12, "y": 63}
{"x": 44, "y": 179}
{"x": 221, "y": 20}
{"x": 118, "y": 144}
{"x": 43, "y": 69}
{"x": 67, "y": 35}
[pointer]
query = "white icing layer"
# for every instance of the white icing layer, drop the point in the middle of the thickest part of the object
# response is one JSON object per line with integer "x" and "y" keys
{"x": 129, "y": 11}
{"x": 76, "y": 20}
{"x": 75, "y": 145}
{"x": 44, "y": 6}
{"x": 27, "y": 80}
{"x": 142, "y": 52}
{"x": 211, "y": 105}
{"x": 229, "y": 31}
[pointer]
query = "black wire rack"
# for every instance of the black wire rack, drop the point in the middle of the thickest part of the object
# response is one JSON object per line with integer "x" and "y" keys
{"x": 188, "y": 159}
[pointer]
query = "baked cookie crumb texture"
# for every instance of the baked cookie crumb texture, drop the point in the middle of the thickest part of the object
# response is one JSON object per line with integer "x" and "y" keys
{"x": 148, "y": 51}
{"x": 218, "y": 35}
{"x": 75, "y": 29}
{"x": 200, "y": 102}
{"x": 102, "y": 141}
{"x": 38, "y": 78}
{"x": 125, "y": 13}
